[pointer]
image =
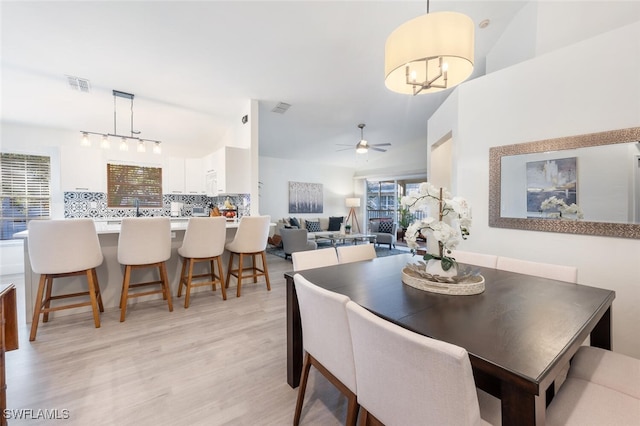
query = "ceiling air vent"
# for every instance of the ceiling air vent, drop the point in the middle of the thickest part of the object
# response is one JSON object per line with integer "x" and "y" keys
{"x": 79, "y": 84}
{"x": 281, "y": 108}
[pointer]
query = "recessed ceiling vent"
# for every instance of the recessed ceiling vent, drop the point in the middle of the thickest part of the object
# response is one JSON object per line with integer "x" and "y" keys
{"x": 79, "y": 84}
{"x": 281, "y": 108}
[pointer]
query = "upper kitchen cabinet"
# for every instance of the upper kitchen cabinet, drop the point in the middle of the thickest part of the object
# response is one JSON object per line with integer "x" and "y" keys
{"x": 232, "y": 170}
{"x": 82, "y": 169}
{"x": 173, "y": 175}
{"x": 194, "y": 176}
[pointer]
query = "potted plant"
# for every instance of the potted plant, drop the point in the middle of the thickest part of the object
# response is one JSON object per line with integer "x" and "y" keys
{"x": 347, "y": 229}
{"x": 406, "y": 217}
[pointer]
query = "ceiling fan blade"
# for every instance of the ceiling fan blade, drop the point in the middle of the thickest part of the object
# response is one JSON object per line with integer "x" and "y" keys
{"x": 380, "y": 144}
{"x": 344, "y": 149}
{"x": 377, "y": 149}
{"x": 344, "y": 144}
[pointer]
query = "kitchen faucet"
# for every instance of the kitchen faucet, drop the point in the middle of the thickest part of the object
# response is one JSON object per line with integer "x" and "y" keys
{"x": 137, "y": 204}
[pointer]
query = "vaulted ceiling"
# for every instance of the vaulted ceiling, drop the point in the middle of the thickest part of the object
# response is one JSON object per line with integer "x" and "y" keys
{"x": 194, "y": 65}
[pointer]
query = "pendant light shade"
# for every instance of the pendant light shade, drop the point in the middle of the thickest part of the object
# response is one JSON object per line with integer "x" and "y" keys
{"x": 429, "y": 53}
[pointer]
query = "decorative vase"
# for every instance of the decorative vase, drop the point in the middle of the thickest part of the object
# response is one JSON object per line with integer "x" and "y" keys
{"x": 434, "y": 267}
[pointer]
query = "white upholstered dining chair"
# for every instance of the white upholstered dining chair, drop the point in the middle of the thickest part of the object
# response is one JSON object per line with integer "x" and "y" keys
{"x": 356, "y": 253}
{"x": 314, "y": 258}
{"x": 327, "y": 343}
{"x": 404, "y": 378}
{"x": 477, "y": 259}
{"x": 538, "y": 269}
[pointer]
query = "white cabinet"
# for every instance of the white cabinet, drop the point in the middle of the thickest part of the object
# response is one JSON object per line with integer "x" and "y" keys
{"x": 233, "y": 171}
{"x": 82, "y": 169}
{"x": 173, "y": 177}
{"x": 194, "y": 176}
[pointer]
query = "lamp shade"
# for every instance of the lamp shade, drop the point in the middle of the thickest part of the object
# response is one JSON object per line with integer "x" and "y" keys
{"x": 352, "y": 202}
{"x": 420, "y": 42}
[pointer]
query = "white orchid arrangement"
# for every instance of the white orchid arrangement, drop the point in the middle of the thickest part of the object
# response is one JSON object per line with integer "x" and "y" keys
{"x": 451, "y": 225}
{"x": 563, "y": 208}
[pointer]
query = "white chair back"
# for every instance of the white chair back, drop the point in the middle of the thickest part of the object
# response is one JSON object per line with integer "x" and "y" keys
{"x": 62, "y": 246}
{"x": 538, "y": 269}
{"x": 314, "y": 258}
{"x": 404, "y": 378}
{"x": 251, "y": 236}
{"x": 205, "y": 237}
{"x": 356, "y": 253}
{"x": 325, "y": 329}
{"x": 144, "y": 240}
{"x": 477, "y": 259}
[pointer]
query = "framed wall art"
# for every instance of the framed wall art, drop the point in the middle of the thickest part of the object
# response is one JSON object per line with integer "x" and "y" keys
{"x": 305, "y": 197}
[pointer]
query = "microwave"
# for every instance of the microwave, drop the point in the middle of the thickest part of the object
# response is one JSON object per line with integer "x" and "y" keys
{"x": 199, "y": 211}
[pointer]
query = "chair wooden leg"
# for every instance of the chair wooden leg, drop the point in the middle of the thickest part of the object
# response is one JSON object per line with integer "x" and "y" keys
{"x": 125, "y": 292}
{"x": 94, "y": 298}
{"x": 165, "y": 285}
{"x": 306, "y": 366}
{"x": 94, "y": 274}
{"x": 240, "y": 264}
{"x": 229, "y": 268}
{"x": 37, "y": 308}
{"x": 266, "y": 270}
{"x": 47, "y": 300}
{"x": 253, "y": 267}
{"x": 182, "y": 277}
{"x": 221, "y": 276}
{"x": 352, "y": 410}
{"x": 213, "y": 275}
{"x": 187, "y": 296}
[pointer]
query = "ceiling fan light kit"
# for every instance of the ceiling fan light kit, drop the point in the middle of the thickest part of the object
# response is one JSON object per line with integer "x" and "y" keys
{"x": 430, "y": 53}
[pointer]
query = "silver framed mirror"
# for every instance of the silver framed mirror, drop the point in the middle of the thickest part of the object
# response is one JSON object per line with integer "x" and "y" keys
{"x": 597, "y": 190}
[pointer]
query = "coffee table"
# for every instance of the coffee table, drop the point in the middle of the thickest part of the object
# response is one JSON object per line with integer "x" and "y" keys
{"x": 355, "y": 238}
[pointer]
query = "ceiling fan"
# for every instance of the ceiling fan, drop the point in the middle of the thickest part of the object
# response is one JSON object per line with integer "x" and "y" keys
{"x": 362, "y": 147}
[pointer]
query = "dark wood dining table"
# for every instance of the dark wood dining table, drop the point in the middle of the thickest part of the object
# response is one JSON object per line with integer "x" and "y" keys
{"x": 519, "y": 333}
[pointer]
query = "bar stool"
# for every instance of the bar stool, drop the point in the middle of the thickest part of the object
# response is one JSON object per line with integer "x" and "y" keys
{"x": 144, "y": 243}
{"x": 251, "y": 239}
{"x": 64, "y": 248}
{"x": 203, "y": 241}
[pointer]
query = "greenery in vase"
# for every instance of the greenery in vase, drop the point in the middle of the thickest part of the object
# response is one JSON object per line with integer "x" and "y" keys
{"x": 451, "y": 225}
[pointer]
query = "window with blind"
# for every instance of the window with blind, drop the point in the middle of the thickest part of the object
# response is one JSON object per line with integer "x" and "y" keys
{"x": 126, "y": 184}
{"x": 25, "y": 191}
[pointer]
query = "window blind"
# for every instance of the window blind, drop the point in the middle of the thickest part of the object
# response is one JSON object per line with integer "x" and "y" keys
{"x": 127, "y": 183}
{"x": 25, "y": 191}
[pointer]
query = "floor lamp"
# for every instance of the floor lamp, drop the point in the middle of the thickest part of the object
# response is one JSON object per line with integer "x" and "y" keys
{"x": 353, "y": 203}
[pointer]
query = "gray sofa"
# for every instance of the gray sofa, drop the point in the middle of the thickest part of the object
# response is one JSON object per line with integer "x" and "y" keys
{"x": 294, "y": 240}
{"x": 385, "y": 232}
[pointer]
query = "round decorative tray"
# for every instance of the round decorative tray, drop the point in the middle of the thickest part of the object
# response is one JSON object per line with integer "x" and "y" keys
{"x": 470, "y": 285}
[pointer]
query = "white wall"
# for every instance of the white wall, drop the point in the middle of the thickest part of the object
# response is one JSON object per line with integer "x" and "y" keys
{"x": 275, "y": 174}
{"x": 570, "y": 91}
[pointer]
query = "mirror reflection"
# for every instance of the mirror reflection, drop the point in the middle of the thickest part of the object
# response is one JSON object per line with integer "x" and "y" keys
{"x": 587, "y": 184}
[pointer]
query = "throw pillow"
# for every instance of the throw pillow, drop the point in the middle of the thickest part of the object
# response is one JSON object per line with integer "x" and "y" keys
{"x": 313, "y": 226}
{"x": 294, "y": 222}
{"x": 334, "y": 223}
{"x": 385, "y": 227}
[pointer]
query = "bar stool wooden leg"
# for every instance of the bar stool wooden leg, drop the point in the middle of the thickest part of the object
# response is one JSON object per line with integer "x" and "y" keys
{"x": 37, "y": 308}
{"x": 229, "y": 268}
{"x": 265, "y": 270}
{"x": 240, "y": 264}
{"x": 187, "y": 296}
{"x": 125, "y": 292}
{"x": 47, "y": 300}
{"x": 182, "y": 276}
{"x": 165, "y": 285}
{"x": 94, "y": 274}
{"x": 221, "y": 277}
{"x": 94, "y": 299}
{"x": 213, "y": 275}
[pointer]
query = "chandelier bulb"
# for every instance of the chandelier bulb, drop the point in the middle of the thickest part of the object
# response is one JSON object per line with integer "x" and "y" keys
{"x": 105, "y": 142}
{"x": 123, "y": 145}
{"x": 85, "y": 139}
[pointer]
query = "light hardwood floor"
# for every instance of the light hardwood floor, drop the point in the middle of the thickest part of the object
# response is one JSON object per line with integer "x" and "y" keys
{"x": 216, "y": 363}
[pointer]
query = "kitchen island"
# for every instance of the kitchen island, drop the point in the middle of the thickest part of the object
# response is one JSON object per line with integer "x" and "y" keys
{"x": 110, "y": 273}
